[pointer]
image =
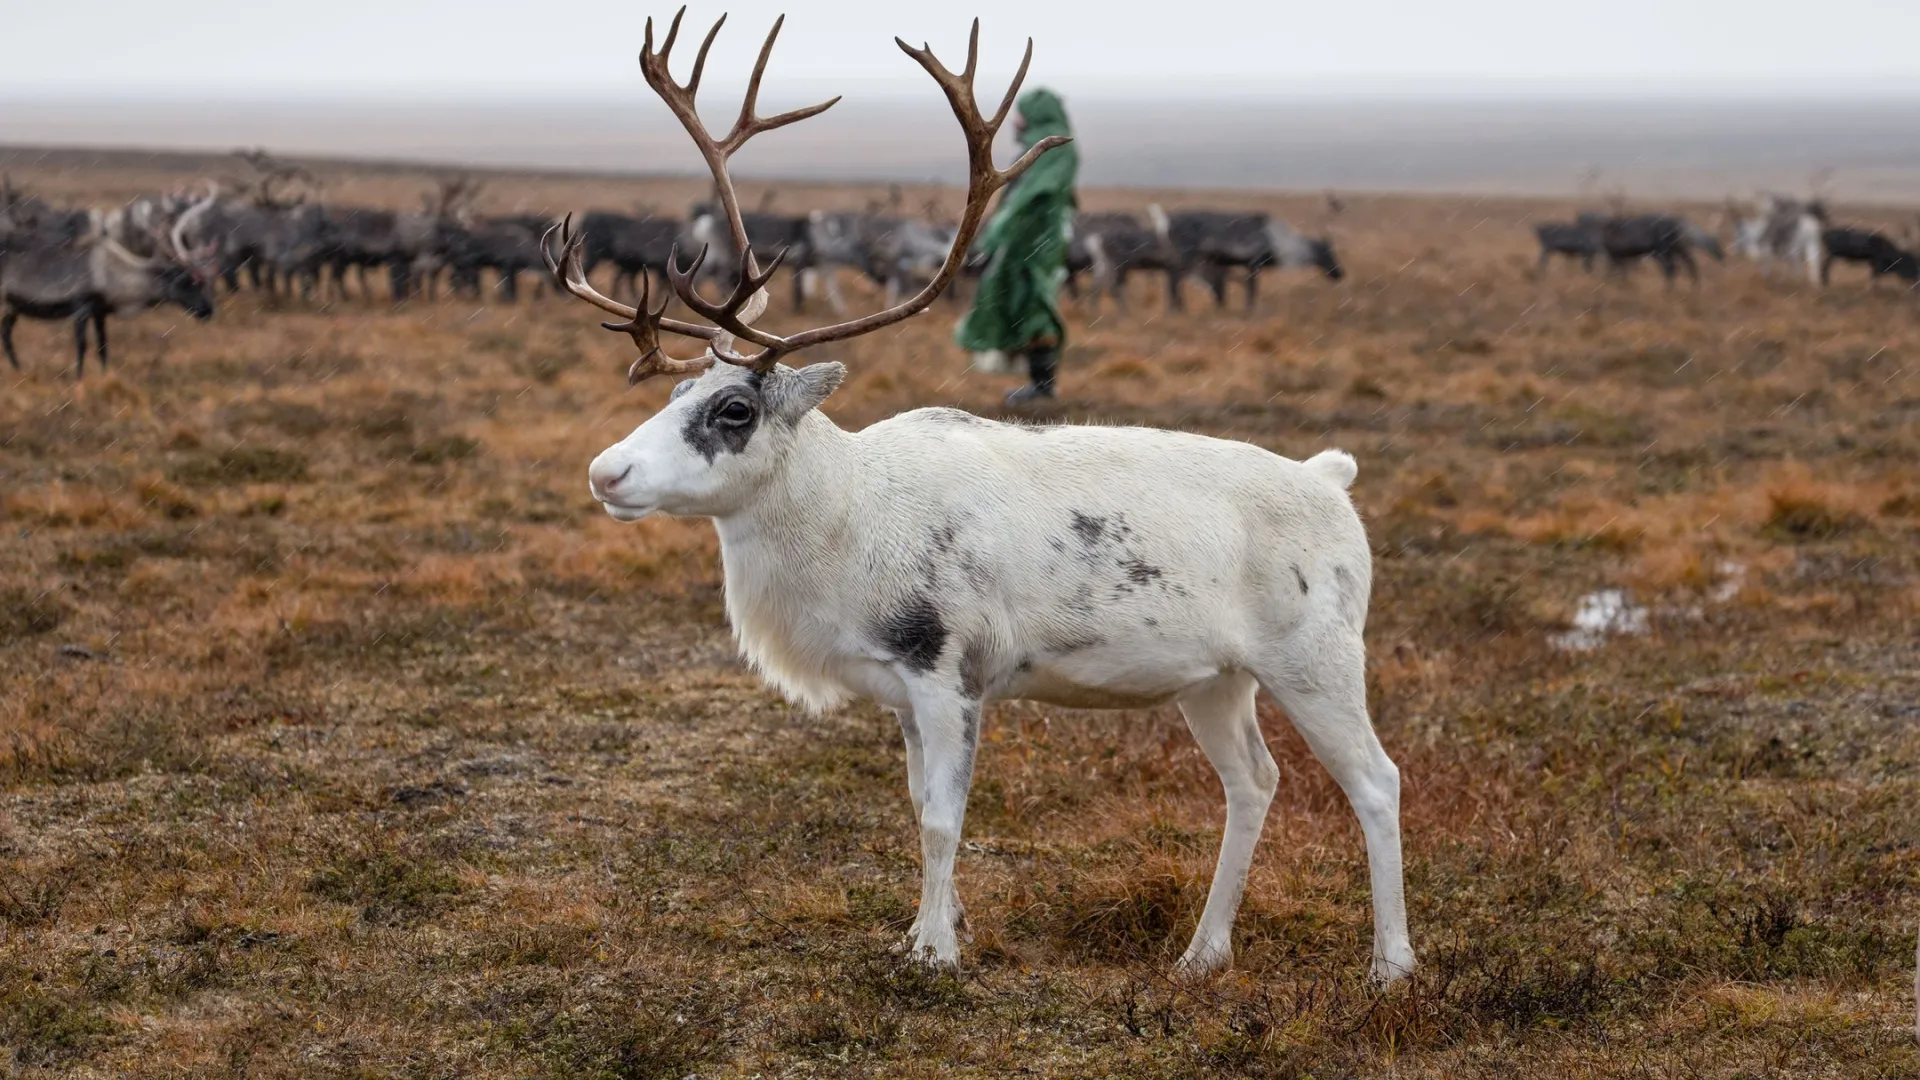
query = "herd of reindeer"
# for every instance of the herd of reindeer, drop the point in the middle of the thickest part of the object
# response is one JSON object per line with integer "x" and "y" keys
{"x": 1778, "y": 232}
{"x": 182, "y": 248}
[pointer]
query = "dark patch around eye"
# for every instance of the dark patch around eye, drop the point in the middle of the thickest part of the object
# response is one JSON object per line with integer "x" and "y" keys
{"x": 711, "y": 437}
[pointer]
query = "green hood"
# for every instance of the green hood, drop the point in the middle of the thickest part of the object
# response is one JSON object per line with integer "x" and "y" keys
{"x": 1015, "y": 306}
{"x": 1044, "y": 113}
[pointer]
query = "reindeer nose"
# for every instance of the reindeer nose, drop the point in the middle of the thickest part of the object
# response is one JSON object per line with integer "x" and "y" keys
{"x": 602, "y": 479}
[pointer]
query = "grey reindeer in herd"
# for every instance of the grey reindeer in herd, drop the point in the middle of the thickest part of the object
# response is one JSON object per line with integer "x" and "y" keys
{"x": 938, "y": 561}
{"x": 54, "y": 274}
{"x": 1208, "y": 243}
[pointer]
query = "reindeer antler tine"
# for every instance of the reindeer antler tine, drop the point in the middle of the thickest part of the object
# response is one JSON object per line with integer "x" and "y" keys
{"x": 673, "y": 33}
{"x": 759, "y": 281}
{"x": 794, "y": 116}
{"x": 700, "y": 58}
{"x": 1032, "y": 155}
{"x": 1013, "y": 92}
{"x": 747, "y": 104}
{"x": 646, "y": 297}
{"x": 750, "y": 123}
{"x": 682, "y": 281}
{"x": 973, "y": 53}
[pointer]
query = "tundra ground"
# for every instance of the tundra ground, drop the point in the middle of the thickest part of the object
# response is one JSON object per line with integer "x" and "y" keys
{"x": 342, "y": 735}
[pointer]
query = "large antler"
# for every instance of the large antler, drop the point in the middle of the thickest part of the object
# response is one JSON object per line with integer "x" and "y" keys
{"x": 170, "y": 241}
{"x": 643, "y": 323}
{"x": 732, "y": 318}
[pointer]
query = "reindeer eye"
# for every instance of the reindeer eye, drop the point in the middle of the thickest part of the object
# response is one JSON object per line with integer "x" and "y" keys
{"x": 734, "y": 413}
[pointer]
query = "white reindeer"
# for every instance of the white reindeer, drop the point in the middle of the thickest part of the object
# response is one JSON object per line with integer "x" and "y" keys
{"x": 938, "y": 561}
{"x": 1783, "y": 231}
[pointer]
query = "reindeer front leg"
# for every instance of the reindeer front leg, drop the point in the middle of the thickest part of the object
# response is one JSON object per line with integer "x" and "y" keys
{"x": 949, "y": 729}
{"x": 916, "y": 792}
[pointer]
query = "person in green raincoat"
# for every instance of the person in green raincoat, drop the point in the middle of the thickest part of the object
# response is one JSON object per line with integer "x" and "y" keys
{"x": 1016, "y": 309}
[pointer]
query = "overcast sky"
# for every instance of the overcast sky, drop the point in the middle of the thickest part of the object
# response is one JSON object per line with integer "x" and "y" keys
{"x": 511, "y": 48}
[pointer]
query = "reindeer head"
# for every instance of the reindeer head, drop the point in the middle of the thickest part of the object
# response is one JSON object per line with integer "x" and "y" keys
{"x": 1324, "y": 258}
{"x": 721, "y": 437}
{"x": 185, "y": 272}
{"x": 726, "y": 432}
{"x": 178, "y": 272}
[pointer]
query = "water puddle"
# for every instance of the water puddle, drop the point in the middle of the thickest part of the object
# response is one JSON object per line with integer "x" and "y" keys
{"x": 1612, "y": 613}
{"x": 1732, "y": 577}
{"x": 1603, "y": 614}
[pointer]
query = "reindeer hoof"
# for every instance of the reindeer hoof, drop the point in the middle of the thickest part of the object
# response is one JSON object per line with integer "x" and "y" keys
{"x": 1202, "y": 960}
{"x": 928, "y": 959}
{"x": 1385, "y": 973}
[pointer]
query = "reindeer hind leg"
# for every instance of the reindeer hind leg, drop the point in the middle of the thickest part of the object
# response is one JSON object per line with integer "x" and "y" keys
{"x": 6, "y": 336}
{"x": 1319, "y": 680}
{"x": 1221, "y": 716}
{"x": 80, "y": 342}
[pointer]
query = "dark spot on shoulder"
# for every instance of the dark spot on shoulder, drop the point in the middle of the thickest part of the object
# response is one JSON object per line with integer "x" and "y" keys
{"x": 1139, "y": 571}
{"x": 913, "y": 633}
{"x": 1152, "y": 621}
{"x": 943, "y": 536}
{"x": 1089, "y": 528}
{"x": 1302, "y": 579}
{"x": 1056, "y": 543}
{"x": 973, "y": 669}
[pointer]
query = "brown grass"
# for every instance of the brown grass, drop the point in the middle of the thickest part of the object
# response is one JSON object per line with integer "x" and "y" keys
{"x": 341, "y": 735}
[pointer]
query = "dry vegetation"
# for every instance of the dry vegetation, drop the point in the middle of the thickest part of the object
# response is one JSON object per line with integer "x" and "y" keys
{"x": 341, "y": 735}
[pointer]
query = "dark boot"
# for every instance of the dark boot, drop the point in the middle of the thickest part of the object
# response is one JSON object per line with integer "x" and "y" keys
{"x": 1041, "y": 364}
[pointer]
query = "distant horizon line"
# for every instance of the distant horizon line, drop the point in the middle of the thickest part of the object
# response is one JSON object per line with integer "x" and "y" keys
{"x": 426, "y": 165}
{"x": 871, "y": 90}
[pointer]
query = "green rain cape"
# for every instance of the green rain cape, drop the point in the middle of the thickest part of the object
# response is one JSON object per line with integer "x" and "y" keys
{"x": 1017, "y": 302}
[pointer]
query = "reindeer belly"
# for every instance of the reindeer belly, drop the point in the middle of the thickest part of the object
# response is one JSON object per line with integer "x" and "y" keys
{"x": 1120, "y": 675}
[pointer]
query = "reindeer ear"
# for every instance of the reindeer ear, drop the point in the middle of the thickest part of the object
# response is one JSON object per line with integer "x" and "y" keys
{"x": 793, "y": 392}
